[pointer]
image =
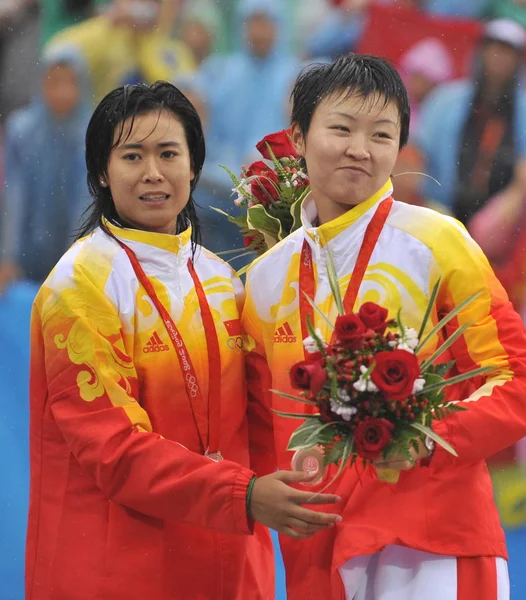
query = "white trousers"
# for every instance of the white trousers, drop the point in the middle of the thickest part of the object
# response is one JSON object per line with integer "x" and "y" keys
{"x": 399, "y": 573}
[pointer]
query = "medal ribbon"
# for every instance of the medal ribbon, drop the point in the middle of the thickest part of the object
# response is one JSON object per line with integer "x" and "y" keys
{"x": 307, "y": 282}
{"x": 207, "y": 415}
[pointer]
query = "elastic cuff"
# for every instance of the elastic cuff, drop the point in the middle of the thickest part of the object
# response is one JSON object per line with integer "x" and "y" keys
{"x": 243, "y": 524}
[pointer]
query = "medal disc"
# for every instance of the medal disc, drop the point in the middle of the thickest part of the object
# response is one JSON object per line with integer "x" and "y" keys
{"x": 310, "y": 461}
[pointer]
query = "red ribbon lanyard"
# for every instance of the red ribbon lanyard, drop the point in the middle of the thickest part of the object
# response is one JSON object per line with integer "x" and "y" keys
{"x": 207, "y": 416}
{"x": 307, "y": 282}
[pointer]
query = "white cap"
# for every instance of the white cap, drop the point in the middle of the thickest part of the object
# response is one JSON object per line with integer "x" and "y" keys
{"x": 506, "y": 31}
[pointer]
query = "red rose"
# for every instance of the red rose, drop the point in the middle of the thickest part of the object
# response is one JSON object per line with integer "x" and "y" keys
{"x": 371, "y": 437}
{"x": 351, "y": 331}
{"x": 306, "y": 375}
{"x": 374, "y": 317}
{"x": 279, "y": 143}
{"x": 265, "y": 182}
{"x": 395, "y": 372}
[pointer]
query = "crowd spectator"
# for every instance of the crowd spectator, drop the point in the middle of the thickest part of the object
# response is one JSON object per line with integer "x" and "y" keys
{"x": 425, "y": 65}
{"x": 45, "y": 177}
{"x": 130, "y": 42}
{"x": 202, "y": 30}
{"x": 57, "y": 15}
{"x": 19, "y": 52}
{"x": 500, "y": 230}
{"x": 247, "y": 97}
{"x": 340, "y": 31}
{"x": 472, "y": 132}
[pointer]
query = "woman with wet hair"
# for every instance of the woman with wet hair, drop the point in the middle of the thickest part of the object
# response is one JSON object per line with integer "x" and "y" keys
{"x": 141, "y": 480}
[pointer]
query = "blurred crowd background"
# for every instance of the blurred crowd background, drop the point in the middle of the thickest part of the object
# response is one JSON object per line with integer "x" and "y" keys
{"x": 464, "y": 65}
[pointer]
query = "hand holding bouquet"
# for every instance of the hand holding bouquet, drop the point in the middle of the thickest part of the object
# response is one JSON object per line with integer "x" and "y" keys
{"x": 374, "y": 397}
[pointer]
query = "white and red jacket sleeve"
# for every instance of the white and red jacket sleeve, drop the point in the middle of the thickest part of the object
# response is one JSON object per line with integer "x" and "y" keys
{"x": 496, "y": 403}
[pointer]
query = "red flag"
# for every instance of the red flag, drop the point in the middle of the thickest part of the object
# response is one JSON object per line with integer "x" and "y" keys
{"x": 391, "y": 31}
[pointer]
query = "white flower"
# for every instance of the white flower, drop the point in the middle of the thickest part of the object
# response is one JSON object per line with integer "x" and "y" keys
{"x": 343, "y": 395}
{"x": 404, "y": 346}
{"x": 407, "y": 341}
{"x": 310, "y": 345}
{"x": 364, "y": 384}
{"x": 419, "y": 384}
{"x": 345, "y": 412}
{"x": 287, "y": 184}
{"x": 239, "y": 201}
{"x": 411, "y": 337}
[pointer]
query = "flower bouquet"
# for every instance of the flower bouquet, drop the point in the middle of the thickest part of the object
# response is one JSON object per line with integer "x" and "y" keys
{"x": 270, "y": 192}
{"x": 372, "y": 394}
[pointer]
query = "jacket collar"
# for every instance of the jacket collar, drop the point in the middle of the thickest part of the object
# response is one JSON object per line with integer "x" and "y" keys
{"x": 328, "y": 231}
{"x": 177, "y": 244}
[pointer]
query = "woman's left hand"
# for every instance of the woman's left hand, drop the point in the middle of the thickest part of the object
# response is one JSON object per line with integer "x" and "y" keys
{"x": 400, "y": 463}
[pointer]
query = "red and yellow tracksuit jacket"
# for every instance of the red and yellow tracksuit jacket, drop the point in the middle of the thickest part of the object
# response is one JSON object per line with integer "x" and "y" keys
{"x": 123, "y": 505}
{"x": 446, "y": 508}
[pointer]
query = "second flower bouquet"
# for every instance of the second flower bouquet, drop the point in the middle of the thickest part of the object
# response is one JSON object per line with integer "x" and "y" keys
{"x": 269, "y": 193}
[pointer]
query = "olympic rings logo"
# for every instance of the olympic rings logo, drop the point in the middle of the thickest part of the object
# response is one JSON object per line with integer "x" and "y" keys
{"x": 191, "y": 385}
{"x": 235, "y": 342}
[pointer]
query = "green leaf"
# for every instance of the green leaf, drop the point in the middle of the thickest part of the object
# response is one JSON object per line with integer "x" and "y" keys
{"x": 318, "y": 310}
{"x": 347, "y": 451}
{"x": 335, "y": 453}
{"x": 457, "y": 379}
{"x": 242, "y": 255}
{"x": 295, "y": 398}
{"x": 321, "y": 435}
{"x": 333, "y": 282}
{"x": 240, "y": 221}
{"x": 243, "y": 270}
{"x": 318, "y": 341}
{"x": 446, "y": 320}
{"x": 295, "y": 210}
{"x": 400, "y": 323}
{"x": 430, "y": 304}
{"x": 303, "y": 435}
{"x": 289, "y": 415}
{"x": 277, "y": 164}
{"x": 258, "y": 218}
{"x": 235, "y": 179}
{"x": 447, "y": 344}
{"x": 443, "y": 368}
{"x": 228, "y": 252}
{"x": 434, "y": 436}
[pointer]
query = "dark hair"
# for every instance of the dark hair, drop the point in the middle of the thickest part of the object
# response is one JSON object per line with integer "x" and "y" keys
{"x": 352, "y": 74}
{"x": 114, "y": 110}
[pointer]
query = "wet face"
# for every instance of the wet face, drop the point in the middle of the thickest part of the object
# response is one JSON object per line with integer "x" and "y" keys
{"x": 261, "y": 35}
{"x": 150, "y": 172}
{"x": 500, "y": 62}
{"x": 60, "y": 90}
{"x": 350, "y": 150}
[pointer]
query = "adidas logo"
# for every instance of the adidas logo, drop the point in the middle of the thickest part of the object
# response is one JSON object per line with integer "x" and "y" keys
{"x": 284, "y": 335}
{"x": 155, "y": 344}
